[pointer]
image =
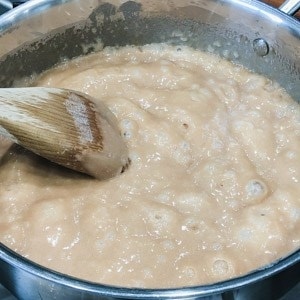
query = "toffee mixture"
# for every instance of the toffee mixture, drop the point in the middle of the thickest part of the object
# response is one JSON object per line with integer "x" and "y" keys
{"x": 212, "y": 190}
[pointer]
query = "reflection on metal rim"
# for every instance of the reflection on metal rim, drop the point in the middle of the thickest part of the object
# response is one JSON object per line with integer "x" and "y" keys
{"x": 25, "y": 11}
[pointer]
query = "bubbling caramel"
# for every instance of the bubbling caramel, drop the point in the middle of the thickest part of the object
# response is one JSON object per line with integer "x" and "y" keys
{"x": 212, "y": 190}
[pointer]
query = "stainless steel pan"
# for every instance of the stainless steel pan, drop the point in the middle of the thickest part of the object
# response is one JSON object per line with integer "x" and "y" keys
{"x": 41, "y": 33}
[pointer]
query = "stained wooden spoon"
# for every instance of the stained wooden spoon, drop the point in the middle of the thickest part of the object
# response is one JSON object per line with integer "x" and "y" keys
{"x": 66, "y": 127}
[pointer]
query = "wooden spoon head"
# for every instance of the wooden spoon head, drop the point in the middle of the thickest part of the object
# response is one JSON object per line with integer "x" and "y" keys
{"x": 68, "y": 128}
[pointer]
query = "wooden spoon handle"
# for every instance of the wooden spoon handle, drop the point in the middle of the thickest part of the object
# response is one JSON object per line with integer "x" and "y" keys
{"x": 41, "y": 118}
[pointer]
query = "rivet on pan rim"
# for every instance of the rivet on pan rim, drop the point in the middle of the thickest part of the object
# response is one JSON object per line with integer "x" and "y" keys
{"x": 260, "y": 47}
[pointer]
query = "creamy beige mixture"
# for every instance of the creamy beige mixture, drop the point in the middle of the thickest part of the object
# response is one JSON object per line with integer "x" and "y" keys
{"x": 212, "y": 190}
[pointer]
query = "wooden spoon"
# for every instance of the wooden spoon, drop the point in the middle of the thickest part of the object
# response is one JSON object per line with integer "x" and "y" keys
{"x": 66, "y": 127}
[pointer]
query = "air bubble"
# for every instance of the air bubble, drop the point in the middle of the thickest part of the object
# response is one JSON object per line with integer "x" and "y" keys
{"x": 220, "y": 267}
{"x": 226, "y": 53}
{"x": 168, "y": 245}
{"x": 260, "y": 47}
{"x": 210, "y": 49}
{"x": 191, "y": 225}
{"x": 256, "y": 189}
{"x": 189, "y": 272}
{"x": 217, "y": 44}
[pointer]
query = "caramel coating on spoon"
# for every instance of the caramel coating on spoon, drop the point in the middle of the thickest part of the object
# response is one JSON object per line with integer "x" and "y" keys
{"x": 65, "y": 127}
{"x": 106, "y": 154}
